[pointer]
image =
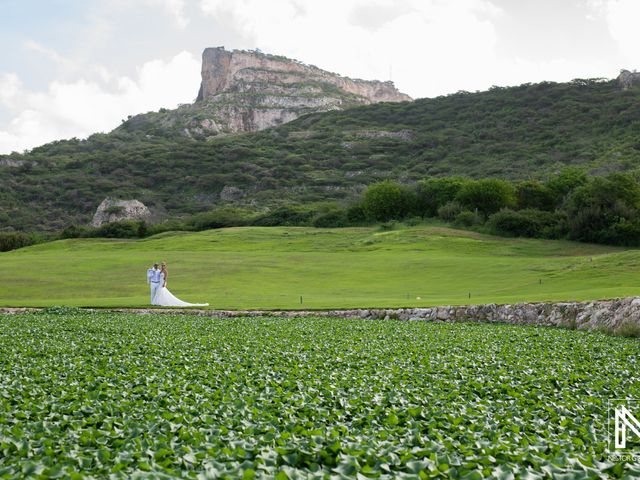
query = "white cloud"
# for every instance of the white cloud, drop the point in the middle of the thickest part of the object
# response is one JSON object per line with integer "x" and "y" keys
{"x": 622, "y": 21}
{"x": 10, "y": 88}
{"x": 174, "y": 8}
{"x": 622, "y": 18}
{"x": 83, "y": 107}
{"x": 50, "y": 54}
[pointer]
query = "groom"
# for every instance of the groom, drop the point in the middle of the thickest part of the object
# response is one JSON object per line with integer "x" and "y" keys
{"x": 154, "y": 279}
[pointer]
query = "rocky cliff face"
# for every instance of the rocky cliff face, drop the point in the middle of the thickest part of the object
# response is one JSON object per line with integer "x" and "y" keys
{"x": 240, "y": 71}
{"x": 628, "y": 79}
{"x": 248, "y": 91}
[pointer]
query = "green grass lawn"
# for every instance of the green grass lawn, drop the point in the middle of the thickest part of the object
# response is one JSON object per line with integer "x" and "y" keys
{"x": 271, "y": 268}
{"x": 152, "y": 396}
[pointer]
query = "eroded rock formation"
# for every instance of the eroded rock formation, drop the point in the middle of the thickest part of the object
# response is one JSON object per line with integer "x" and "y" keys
{"x": 248, "y": 91}
{"x": 241, "y": 71}
{"x": 111, "y": 210}
{"x": 628, "y": 79}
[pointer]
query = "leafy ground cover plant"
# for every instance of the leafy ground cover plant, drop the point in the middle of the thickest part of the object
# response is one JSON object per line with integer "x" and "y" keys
{"x": 124, "y": 396}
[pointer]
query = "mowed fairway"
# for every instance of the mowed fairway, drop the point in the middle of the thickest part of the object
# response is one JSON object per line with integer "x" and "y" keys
{"x": 284, "y": 267}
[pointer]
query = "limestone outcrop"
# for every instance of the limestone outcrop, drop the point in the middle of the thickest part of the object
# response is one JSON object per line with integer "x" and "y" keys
{"x": 10, "y": 162}
{"x": 248, "y": 90}
{"x": 628, "y": 79}
{"x": 243, "y": 71}
{"x": 231, "y": 194}
{"x": 111, "y": 210}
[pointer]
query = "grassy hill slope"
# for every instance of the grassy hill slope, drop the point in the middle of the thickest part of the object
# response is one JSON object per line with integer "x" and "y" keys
{"x": 359, "y": 267}
{"x": 530, "y": 131}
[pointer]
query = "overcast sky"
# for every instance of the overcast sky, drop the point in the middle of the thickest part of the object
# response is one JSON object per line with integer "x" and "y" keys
{"x": 69, "y": 68}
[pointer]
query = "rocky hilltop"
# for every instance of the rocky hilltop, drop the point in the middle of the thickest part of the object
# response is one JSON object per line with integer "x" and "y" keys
{"x": 249, "y": 90}
{"x": 628, "y": 79}
{"x": 242, "y": 71}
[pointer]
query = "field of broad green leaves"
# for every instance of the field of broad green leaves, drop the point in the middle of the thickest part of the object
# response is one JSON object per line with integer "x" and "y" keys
{"x": 139, "y": 396}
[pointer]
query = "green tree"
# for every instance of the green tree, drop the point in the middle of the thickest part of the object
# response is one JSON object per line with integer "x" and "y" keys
{"x": 386, "y": 200}
{"x": 487, "y": 195}
{"x": 565, "y": 182}
{"x": 433, "y": 193}
{"x": 533, "y": 194}
{"x": 605, "y": 210}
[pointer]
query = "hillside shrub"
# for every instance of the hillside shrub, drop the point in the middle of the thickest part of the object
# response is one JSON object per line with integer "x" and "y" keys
{"x": 170, "y": 225}
{"x": 14, "y": 240}
{"x": 219, "y": 218}
{"x": 433, "y": 193}
{"x": 413, "y": 221}
{"x": 605, "y": 210}
{"x": 76, "y": 231}
{"x": 356, "y": 214}
{"x": 285, "y": 216}
{"x": 388, "y": 226}
{"x": 567, "y": 180}
{"x": 467, "y": 218}
{"x": 123, "y": 229}
{"x": 487, "y": 195}
{"x": 333, "y": 218}
{"x": 386, "y": 200}
{"x": 523, "y": 223}
{"x": 450, "y": 210}
{"x": 533, "y": 194}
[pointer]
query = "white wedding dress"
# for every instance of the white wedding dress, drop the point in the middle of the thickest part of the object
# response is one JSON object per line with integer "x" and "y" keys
{"x": 164, "y": 298}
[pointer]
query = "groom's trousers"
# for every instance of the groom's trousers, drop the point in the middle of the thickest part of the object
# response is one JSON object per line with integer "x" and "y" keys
{"x": 155, "y": 286}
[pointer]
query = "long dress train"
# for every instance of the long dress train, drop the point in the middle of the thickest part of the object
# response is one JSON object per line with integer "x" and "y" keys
{"x": 165, "y": 298}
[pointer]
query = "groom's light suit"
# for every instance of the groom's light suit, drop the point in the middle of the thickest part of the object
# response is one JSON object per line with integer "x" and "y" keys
{"x": 154, "y": 279}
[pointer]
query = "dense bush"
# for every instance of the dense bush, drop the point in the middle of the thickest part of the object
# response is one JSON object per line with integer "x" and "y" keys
{"x": 386, "y": 200}
{"x": 487, "y": 195}
{"x": 333, "y": 218}
{"x": 433, "y": 193}
{"x": 565, "y": 182}
{"x": 524, "y": 223}
{"x": 285, "y": 216}
{"x": 534, "y": 194}
{"x": 356, "y": 214}
{"x": 13, "y": 240}
{"x": 123, "y": 229}
{"x": 76, "y": 231}
{"x": 605, "y": 210}
{"x": 467, "y": 218}
{"x": 219, "y": 218}
{"x": 450, "y": 210}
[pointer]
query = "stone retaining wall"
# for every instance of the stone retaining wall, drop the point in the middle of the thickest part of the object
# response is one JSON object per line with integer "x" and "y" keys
{"x": 615, "y": 316}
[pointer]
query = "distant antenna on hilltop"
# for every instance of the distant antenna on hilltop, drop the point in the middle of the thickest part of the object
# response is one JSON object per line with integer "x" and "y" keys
{"x": 390, "y": 72}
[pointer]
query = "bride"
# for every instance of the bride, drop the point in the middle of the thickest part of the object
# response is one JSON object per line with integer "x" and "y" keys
{"x": 165, "y": 298}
